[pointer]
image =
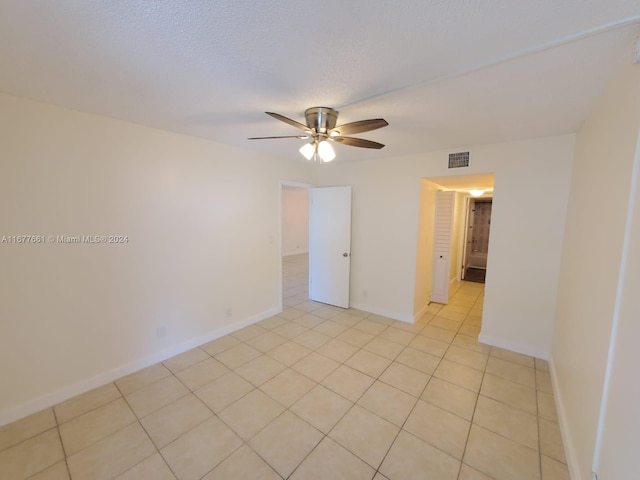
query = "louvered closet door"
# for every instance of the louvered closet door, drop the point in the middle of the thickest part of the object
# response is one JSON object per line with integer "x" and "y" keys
{"x": 443, "y": 226}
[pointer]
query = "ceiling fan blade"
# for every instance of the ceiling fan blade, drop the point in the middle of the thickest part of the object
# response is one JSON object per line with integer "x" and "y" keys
{"x": 293, "y": 123}
{"x": 360, "y": 126}
{"x": 358, "y": 142}
{"x": 301, "y": 137}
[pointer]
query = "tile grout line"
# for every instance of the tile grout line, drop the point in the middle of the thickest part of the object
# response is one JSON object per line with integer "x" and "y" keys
{"x": 450, "y": 344}
{"x": 401, "y": 429}
{"x": 464, "y": 450}
{"x": 387, "y": 326}
{"x": 64, "y": 450}
{"x": 417, "y": 399}
{"x": 353, "y": 402}
{"x": 466, "y": 442}
{"x": 139, "y": 419}
{"x": 288, "y": 409}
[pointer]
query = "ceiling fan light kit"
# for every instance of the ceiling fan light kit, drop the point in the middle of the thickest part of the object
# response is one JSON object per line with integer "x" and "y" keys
{"x": 308, "y": 150}
{"x": 325, "y": 151}
{"x": 321, "y": 129}
{"x": 321, "y": 150}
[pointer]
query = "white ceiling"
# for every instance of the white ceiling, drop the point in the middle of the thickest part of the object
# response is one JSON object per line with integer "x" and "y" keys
{"x": 444, "y": 74}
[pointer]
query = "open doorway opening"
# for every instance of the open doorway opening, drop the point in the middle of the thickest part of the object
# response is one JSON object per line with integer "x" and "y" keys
{"x": 474, "y": 264}
{"x": 294, "y": 239}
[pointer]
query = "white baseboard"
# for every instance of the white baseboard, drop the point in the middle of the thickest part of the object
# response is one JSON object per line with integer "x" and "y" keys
{"x": 513, "y": 346}
{"x": 569, "y": 449}
{"x": 295, "y": 252}
{"x": 421, "y": 312}
{"x": 379, "y": 311}
{"x": 53, "y": 398}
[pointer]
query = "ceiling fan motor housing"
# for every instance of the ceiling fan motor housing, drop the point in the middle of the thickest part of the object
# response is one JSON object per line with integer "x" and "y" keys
{"x": 321, "y": 126}
{"x": 321, "y": 119}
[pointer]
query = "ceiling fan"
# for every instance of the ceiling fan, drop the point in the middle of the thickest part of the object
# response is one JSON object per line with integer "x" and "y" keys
{"x": 321, "y": 129}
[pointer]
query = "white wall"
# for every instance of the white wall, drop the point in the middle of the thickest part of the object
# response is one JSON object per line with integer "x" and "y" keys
{"x": 295, "y": 220}
{"x": 531, "y": 188}
{"x": 591, "y": 262}
{"x": 202, "y": 226}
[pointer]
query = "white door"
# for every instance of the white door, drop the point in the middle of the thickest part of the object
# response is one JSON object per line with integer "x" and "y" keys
{"x": 443, "y": 226}
{"x": 330, "y": 245}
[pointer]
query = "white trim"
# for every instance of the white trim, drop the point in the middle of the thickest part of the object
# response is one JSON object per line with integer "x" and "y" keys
{"x": 379, "y": 311}
{"x": 287, "y": 183}
{"x": 465, "y": 234}
{"x": 421, "y": 312}
{"x": 513, "y": 346}
{"x": 569, "y": 448}
{"x": 295, "y": 252}
{"x": 613, "y": 337}
{"x": 83, "y": 386}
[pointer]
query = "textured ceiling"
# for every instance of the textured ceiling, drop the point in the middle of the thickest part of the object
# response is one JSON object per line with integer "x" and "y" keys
{"x": 444, "y": 74}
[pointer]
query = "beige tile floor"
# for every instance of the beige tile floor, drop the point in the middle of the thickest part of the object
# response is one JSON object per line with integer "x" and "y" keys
{"x": 316, "y": 392}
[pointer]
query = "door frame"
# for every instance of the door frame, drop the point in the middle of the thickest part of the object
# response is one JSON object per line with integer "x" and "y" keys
{"x": 465, "y": 240}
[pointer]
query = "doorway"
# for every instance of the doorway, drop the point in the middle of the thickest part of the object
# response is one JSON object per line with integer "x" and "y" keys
{"x": 315, "y": 236}
{"x": 463, "y": 186}
{"x": 474, "y": 264}
{"x": 294, "y": 242}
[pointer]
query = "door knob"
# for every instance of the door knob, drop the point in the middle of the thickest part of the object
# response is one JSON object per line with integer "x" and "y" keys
{"x": 345, "y": 254}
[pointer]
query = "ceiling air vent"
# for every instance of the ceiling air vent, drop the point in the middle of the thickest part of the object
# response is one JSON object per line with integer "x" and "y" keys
{"x": 458, "y": 160}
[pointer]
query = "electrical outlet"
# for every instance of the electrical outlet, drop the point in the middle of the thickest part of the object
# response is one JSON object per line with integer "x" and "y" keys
{"x": 365, "y": 294}
{"x": 228, "y": 313}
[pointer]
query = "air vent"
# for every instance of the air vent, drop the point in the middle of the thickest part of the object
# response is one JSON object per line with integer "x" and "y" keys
{"x": 458, "y": 160}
